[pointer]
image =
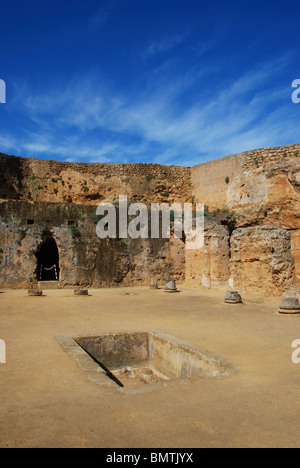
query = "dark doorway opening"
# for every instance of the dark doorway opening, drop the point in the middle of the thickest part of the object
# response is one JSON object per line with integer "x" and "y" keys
{"x": 48, "y": 261}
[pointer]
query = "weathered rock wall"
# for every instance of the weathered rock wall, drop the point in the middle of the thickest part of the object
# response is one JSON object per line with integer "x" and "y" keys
{"x": 252, "y": 199}
{"x": 209, "y": 266}
{"x": 261, "y": 259}
{"x": 251, "y": 259}
{"x": 90, "y": 184}
{"x": 256, "y": 184}
{"x": 258, "y": 188}
{"x": 84, "y": 259}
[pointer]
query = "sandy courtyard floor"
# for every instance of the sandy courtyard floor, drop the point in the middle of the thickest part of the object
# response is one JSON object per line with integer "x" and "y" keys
{"x": 47, "y": 400}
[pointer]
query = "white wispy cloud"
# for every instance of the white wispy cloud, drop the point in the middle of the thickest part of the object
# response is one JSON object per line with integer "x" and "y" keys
{"x": 101, "y": 16}
{"x": 87, "y": 120}
{"x": 7, "y": 143}
{"x": 165, "y": 44}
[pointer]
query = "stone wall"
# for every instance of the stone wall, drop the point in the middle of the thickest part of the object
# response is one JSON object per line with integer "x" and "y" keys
{"x": 261, "y": 260}
{"x": 252, "y": 199}
{"x": 209, "y": 266}
{"x": 84, "y": 259}
{"x": 90, "y": 184}
{"x": 252, "y": 183}
{"x": 254, "y": 259}
{"x": 259, "y": 188}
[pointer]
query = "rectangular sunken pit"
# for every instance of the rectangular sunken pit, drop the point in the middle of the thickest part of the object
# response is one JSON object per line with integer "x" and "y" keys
{"x": 140, "y": 361}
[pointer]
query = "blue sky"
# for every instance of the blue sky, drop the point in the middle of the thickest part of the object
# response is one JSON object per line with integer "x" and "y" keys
{"x": 153, "y": 81}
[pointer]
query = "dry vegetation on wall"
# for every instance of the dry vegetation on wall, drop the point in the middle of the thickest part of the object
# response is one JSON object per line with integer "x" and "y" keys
{"x": 60, "y": 182}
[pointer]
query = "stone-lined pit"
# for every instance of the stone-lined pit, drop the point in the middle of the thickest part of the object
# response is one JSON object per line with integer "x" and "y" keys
{"x": 129, "y": 360}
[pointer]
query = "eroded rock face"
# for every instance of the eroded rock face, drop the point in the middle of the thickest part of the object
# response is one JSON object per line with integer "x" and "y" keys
{"x": 90, "y": 184}
{"x": 261, "y": 259}
{"x": 84, "y": 259}
{"x": 209, "y": 266}
{"x": 262, "y": 188}
{"x": 252, "y": 231}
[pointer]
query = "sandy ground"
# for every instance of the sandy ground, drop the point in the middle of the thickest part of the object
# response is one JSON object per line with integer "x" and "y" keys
{"x": 48, "y": 401}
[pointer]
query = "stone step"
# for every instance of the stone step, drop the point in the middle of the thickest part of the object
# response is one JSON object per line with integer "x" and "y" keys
{"x": 49, "y": 285}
